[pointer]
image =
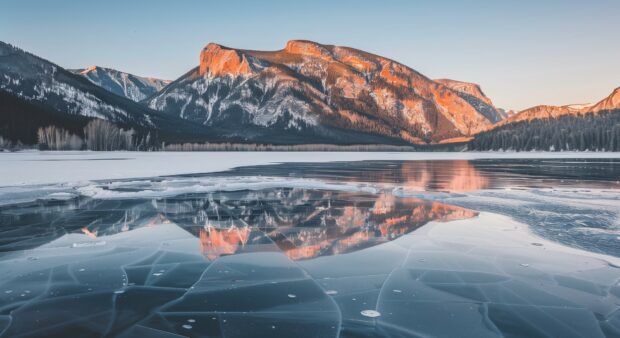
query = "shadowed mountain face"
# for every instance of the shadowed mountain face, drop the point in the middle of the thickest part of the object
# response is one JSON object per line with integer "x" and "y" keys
{"x": 37, "y": 93}
{"x": 39, "y": 81}
{"x": 133, "y": 87}
{"x": 320, "y": 88}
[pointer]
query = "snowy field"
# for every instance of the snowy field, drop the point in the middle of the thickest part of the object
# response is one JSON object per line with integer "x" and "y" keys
{"x": 25, "y": 168}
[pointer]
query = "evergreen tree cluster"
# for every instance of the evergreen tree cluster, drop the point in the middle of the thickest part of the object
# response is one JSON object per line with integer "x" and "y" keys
{"x": 590, "y": 132}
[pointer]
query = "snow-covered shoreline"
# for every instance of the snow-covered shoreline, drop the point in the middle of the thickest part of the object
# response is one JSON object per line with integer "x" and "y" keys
{"x": 40, "y": 167}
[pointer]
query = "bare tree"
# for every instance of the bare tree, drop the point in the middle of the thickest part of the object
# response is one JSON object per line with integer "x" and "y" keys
{"x": 54, "y": 138}
{"x": 5, "y": 144}
{"x": 104, "y": 136}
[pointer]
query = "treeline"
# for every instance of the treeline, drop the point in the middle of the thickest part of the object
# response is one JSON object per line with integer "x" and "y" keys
{"x": 271, "y": 147}
{"x": 99, "y": 135}
{"x": 590, "y": 132}
{"x": 7, "y": 144}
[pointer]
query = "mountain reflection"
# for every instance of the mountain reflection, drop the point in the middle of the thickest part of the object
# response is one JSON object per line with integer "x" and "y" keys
{"x": 306, "y": 224}
{"x": 302, "y": 223}
{"x": 448, "y": 176}
{"x": 453, "y": 175}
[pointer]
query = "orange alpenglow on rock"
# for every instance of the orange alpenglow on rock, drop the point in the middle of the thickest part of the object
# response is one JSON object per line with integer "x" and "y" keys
{"x": 307, "y": 48}
{"x": 330, "y": 86}
{"x": 546, "y": 112}
{"x": 472, "y": 89}
{"x": 217, "y": 60}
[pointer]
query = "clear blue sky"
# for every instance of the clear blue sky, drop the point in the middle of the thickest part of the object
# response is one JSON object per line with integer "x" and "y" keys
{"x": 522, "y": 53}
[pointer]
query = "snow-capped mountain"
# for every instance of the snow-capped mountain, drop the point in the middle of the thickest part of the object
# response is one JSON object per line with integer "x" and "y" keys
{"x": 36, "y": 93}
{"x": 611, "y": 102}
{"x": 131, "y": 86}
{"x": 325, "y": 91}
{"x": 37, "y": 80}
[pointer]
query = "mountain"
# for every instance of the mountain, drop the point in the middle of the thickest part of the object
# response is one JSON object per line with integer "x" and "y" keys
{"x": 40, "y": 81}
{"x": 472, "y": 93}
{"x": 131, "y": 86}
{"x": 611, "y": 102}
{"x": 505, "y": 113}
{"x": 324, "y": 93}
{"x": 569, "y": 132}
{"x": 36, "y": 93}
{"x": 583, "y": 127}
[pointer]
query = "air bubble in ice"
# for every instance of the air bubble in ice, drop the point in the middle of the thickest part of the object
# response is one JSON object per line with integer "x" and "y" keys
{"x": 186, "y": 326}
{"x": 331, "y": 292}
{"x": 525, "y": 265}
{"x": 290, "y": 295}
{"x": 191, "y": 320}
{"x": 370, "y": 313}
{"x": 397, "y": 291}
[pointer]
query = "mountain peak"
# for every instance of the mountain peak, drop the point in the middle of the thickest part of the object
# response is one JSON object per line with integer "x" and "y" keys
{"x": 308, "y": 88}
{"x": 610, "y": 102}
{"x": 216, "y": 60}
{"x": 305, "y": 47}
{"x": 466, "y": 88}
{"x": 121, "y": 83}
{"x": 89, "y": 69}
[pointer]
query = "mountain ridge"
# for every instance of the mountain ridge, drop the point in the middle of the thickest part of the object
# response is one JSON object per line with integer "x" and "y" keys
{"x": 305, "y": 93}
{"x": 311, "y": 86}
{"x": 610, "y": 102}
{"x": 133, "y": 87}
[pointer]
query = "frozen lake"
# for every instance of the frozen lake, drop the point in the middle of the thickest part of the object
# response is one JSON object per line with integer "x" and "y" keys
{"x": 37, "y": 167}
{"x": 309, "y": 244}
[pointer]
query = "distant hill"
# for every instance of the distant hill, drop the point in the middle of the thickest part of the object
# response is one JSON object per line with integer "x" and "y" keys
{"x": 598, "y": 131}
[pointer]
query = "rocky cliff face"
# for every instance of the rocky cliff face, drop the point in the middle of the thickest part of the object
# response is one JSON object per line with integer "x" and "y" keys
{"x": 472, "y": 93}
{"x": 322, "y": 90}
{"x": 468, "y": 88}
{"x": 609, "y": 103}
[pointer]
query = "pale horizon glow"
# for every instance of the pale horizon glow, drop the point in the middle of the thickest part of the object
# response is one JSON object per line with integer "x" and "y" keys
{"x": 522, "y": 53}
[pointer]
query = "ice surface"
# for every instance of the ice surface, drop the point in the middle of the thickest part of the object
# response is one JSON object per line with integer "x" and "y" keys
{"x": 34, "y": 167}
{"x": 384, "y": 248}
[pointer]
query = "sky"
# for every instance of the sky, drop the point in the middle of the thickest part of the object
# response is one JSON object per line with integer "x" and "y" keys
{"x": 522, "y": 53}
